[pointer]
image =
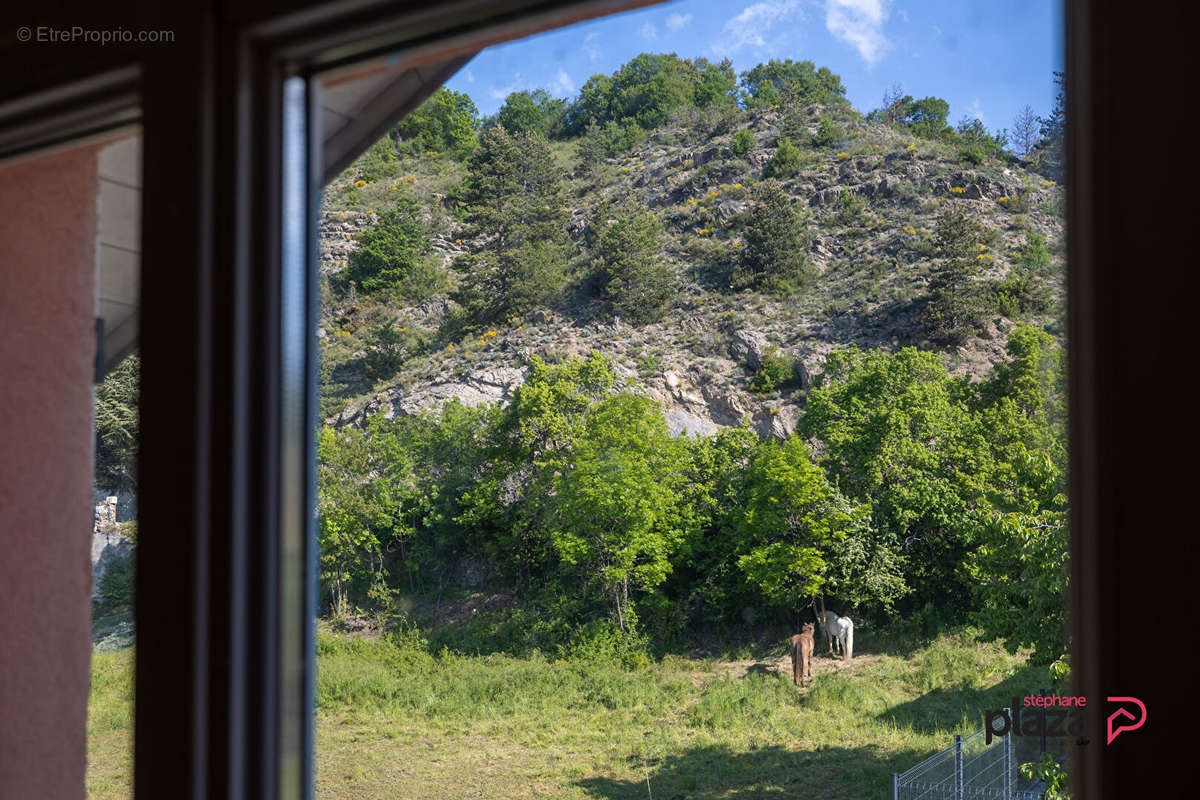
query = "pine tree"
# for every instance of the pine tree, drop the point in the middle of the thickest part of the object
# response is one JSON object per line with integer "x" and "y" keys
{"x": 775, "y": 244}
{"x": 515, "y": 199}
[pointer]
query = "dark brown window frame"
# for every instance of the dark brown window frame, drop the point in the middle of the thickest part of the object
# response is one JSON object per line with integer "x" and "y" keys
{"x": 223, "y": 710}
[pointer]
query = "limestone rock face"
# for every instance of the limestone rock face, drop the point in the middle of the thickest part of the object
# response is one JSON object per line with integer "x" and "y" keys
{"x": 747, "y": 347}
{"x": 681, "y": 423}
{"x": 780, "y": 422}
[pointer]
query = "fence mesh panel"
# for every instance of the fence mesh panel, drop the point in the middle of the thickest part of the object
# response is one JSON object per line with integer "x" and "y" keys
{"x": 973, "y": 769}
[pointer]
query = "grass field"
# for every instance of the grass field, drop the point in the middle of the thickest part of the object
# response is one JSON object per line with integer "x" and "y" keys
{"x": 394, "y": 721}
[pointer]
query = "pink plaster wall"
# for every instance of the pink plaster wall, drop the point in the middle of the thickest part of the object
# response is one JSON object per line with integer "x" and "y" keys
{"x": 48, "y": 231}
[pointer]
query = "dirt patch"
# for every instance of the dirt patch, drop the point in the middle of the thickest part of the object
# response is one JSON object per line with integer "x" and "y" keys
{"x": 782, "y": 665}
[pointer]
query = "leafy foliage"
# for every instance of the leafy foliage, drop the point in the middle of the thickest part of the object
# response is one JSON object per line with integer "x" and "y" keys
{"x": 786, "y": 161}
{"x": 532, "y": 112}
{"x": 743, "y": 140}
{"x": 391, "y": 256}
{"x": 446, "y": 122}
{"x": 957, "y": 302}
{"x": 513, "y": 195}
{"x": 116, "y": 412}
{"x": 634, "y": 281}
{"x": 1053, "y": 131}
{"x": 616, "y": 510}
{"x": 775, "y": 244}
{"x": 791, "y": 83}
{"x": 828, "y": 134}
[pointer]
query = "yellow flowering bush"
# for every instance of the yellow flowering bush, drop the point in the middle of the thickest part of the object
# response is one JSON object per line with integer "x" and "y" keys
{"x": 359, "y": 184}
{"x": 958, "y": 190}
{"x": 843, "y": 156}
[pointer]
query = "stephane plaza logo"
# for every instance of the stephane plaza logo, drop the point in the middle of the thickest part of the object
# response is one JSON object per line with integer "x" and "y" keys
{"x": 1061, "y": 715}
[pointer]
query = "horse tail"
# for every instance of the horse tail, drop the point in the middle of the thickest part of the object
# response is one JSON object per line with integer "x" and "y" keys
{"x": 849, "y": 641}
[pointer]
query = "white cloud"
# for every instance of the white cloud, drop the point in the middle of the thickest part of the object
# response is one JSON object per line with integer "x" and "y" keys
{"x": 976, "y": 109}
{"x": 593, "y": 52}
{"x": 469, "y": 76}
{"x": 859, "y": 23}
{"x": 748, "y": 27}
{"x": 937, "y": 32}
{"x": 903, "y": 16}
{"x": 649, "y": 31}
{"x": 677, "y": 21}
{"x": 562, "y": 84}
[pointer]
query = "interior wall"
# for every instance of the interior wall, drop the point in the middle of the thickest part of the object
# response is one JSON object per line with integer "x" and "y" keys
{"x": 48, "y": 235}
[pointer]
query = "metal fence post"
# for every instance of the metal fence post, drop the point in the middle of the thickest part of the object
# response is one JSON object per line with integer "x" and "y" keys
{"x": 1008, "y": 761}
{"x": 895, "y": 786}
{"x": 958, "y": 768}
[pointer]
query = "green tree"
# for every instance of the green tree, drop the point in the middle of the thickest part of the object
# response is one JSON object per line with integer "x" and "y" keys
{"x": 547, "y": 411}
{"x": 644, "y": 91}
{"x": 116, "y": 412}
{"x": 828, "y": 134}
{"x": 392, "y": 254}
{"x": 927, "y": 117}
{"x": 772, "y": 258}
{"x": 616, "y": 502}
{"x": 514, "y": 197}
{"x": 786, "y": 161}
{"x": 361, "y": 485}
{"x": 957, "y": 303}
{"x": 791, "y": 83}
{"x": 634, "y": 281}
{"x": 1053, "y": 131}
{"x": 800, "y": 537}
{"x": 743, "y": 140}
{"x": 977, "y": 144}
{"x": 898, "y": 432}
{"x": 446, "y": 122}
{"x": 532, "y": 112}
{"x": 717, "y": 85}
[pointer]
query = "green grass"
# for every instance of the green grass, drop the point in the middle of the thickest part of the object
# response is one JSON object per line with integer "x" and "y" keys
{"x": 110, "y": 725}
{"x": 395, "y": 721}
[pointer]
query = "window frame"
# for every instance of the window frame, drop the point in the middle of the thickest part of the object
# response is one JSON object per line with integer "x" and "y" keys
{"x": 220, "y": 431}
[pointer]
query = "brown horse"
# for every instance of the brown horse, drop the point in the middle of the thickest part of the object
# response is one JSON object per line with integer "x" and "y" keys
{"x": 802, "y": 650}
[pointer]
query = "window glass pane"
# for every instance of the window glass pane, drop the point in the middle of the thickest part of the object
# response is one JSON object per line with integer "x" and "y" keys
{"x": 114, "y": 530}
{"x": 648, "y": 341}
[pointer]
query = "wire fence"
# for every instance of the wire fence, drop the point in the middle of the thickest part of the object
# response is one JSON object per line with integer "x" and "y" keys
{"x": 971, "y": 769}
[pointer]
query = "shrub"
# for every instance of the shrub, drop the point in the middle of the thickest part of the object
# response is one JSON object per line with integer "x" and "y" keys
{"x": 1033, "y": 256}
{"x": 972, "y": 155}
{"x": 446, "y": 122}
{"x": 786, "y": 161}
{"x": 1020, "y": 293}
{"x": 849, "y": 210}
{"x": 391, "y": 346}
{"x": 634, "y": 281}
{"x": 390, "y": 251}
{"x": 743, "y": 140}
{"x": 775, "y": 244}
{"x": 116, "y": 584}
{"x": 380, "y": 162}
{"x": 828, "y": 134}
{"x": 776, "y": 372}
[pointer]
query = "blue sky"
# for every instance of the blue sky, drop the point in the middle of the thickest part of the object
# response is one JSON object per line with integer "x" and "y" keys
{"x": 987, "y": 58}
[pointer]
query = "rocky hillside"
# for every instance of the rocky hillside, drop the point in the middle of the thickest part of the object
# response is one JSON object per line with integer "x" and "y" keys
{"x": 871, "y": 198}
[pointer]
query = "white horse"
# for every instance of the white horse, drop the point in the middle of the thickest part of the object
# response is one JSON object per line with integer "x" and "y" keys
{"x": 835, "y": 629}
